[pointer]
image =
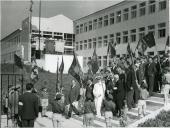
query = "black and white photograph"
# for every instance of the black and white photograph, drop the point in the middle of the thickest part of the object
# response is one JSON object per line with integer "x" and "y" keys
{"x": 84, "y": 63}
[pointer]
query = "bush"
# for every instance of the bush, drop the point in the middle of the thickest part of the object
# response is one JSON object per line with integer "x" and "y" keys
{"x": 161, "y": 120}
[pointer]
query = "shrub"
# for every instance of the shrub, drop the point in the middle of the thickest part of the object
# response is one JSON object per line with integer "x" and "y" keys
{"x": 161, "y": 120}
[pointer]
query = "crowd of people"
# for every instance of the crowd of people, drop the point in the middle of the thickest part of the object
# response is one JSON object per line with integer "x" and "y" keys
{"x": 112, "y": 91}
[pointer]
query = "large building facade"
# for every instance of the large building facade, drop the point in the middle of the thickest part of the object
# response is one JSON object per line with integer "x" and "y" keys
{"x": 25, "y": 42}
{"x": 127, "y": 21}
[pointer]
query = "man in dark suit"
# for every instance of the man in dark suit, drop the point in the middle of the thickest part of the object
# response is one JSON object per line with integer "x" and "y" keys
{"x": 28, "y": 107}
{"x": 151, "y": 75}
{"x": 89, "y": 89}
{"x": 73, "y": 98}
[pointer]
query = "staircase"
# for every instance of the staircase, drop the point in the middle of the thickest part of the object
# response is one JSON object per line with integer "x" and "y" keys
{"x": 153, "y": 103}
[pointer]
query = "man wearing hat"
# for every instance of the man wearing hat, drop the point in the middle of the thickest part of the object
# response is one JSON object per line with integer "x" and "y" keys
{"x": 99, "y": 93}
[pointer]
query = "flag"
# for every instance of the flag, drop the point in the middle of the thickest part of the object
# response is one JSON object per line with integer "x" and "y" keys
{"x": 129, "y": 50}
{"x": 34, "y": 71}
{"x": 111, "y": 49}
{"x": 149, "y": 39}
{"x": 141, "y": 46}
{"x": 18, "y": 61}
{"x": 75, "y": 69}
{"x": 94, "y": 62}
{"x": 61, "y": 69}
{"x": 167, "y": 41}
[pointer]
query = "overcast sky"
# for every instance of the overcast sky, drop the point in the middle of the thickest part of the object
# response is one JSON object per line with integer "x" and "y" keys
{"x": 13, "y": 12}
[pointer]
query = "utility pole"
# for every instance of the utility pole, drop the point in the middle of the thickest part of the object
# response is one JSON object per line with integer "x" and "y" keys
{"x": 39, "y": 27}
{"x": 30, "y": 26}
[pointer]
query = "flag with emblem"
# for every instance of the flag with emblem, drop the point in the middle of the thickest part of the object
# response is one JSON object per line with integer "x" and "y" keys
{"x": 149, "y": 39}
{"x": 75, "y": 69}
{"x": 141, "y": 46}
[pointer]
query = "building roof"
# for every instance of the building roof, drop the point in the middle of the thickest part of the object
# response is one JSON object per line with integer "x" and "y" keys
{"x": 58, "y": 23}
{"x": 110, "y": 7}
{"x": 14, "y": 32}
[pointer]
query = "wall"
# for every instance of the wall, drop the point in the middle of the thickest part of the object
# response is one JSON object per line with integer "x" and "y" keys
{"x": 50, "y": 62}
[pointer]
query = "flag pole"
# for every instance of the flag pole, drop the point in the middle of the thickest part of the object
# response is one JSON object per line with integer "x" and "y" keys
{"x": 61, "y": 77}
{"x": 57, "y": 77}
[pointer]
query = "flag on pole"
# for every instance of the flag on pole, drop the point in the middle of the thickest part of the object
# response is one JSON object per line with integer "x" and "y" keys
{"x": 94, "y": 62}
{"x": 75, "y": 69}
{"x": 141, "y": 46}
{"x": 18, "y": 61}
{"x": 149, "y": 39}
{"x": 129, "y": 49}
{"x": 167, "y": 41}
{"x": 111, "y": 49}
{"x": 34, "y": 71}
{"x": 61, "y": 69}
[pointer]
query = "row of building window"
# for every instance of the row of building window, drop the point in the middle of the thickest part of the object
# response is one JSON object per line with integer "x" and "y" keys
{"x": 10, "y": 43}
{"x": 9, "y": 57}
{"x": 120, "y": 16}
{"x": 107, "y": 62}
{"x": 127, "y": 36}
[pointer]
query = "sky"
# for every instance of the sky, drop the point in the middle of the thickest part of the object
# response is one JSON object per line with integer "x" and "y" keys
{"x": 13, "y": 12}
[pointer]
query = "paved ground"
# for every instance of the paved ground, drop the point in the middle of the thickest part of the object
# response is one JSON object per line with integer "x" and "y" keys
{"x": 153, "y": 103}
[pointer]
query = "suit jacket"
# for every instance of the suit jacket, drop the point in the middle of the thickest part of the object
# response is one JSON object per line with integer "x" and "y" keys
{"x": 89, "y": 91}
{"x": 131, "y": 79}
{"x": 28, "y": 106}
{"x": 151, "y": 69}
{"x": 74, "y": 94}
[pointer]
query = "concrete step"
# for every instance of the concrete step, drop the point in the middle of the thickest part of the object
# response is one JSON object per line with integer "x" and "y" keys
{"x": 157, "y": 99}
{"x": 155, "y": 94}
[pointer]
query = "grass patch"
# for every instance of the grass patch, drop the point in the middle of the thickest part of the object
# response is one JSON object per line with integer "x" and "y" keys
{"x": 50, "y": 78}
{"x": 161, "y": 120}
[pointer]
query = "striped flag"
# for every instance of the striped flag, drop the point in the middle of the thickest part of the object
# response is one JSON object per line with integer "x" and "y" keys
{"x": 75, "y": 69}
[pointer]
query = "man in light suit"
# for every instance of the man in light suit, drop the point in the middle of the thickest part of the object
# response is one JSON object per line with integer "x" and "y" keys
{"x": 28, "y": 107}
{"x": 99, "y": 94}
